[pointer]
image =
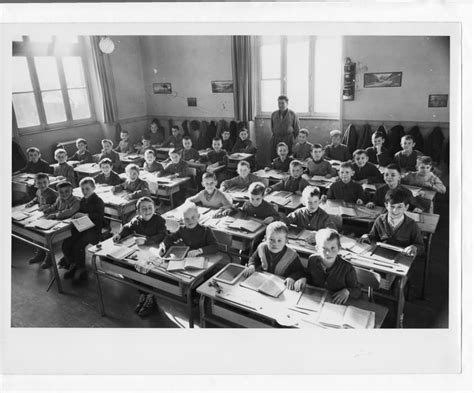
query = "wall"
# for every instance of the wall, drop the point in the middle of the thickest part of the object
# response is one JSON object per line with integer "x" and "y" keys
{"x": 190, "y": 64}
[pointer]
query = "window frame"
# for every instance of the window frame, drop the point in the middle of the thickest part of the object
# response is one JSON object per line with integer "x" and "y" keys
{"x": 30, "y": 50}
{"x": 310, "y": 114}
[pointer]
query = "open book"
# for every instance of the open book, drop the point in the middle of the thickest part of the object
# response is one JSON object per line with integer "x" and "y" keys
{"x": 346, "y": 317}
{"x": 45, "y": 224}
{"x": 354, "y": 246}
{"x": 312, "y": 299}
{"x": 189, "y": 263}
{"x": 82, "y": 223}
{"x": 246, "y": 225}
{"x": 265, "y": 283}
{"x": 19, "y": 216}
{"x": 119, "y": 252}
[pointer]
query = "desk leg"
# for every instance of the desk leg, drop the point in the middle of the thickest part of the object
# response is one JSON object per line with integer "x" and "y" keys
{"x": 55, "y": 268}
{"x": 172, "y": 200}
{"x": 400, "y": 302}
{"x": 99, "y": 288}
{"x": 202, "y": 311}
{"x": 189, "y": 299}
{"x": 426, "y": 265}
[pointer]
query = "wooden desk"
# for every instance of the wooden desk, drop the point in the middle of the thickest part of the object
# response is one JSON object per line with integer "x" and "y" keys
{"x": 131, "y": 158}
{"x": 22, "y": 182}
{"x": 85, "y": 170}
{"x": 228, "y": 237}
{"x": 235, "y": 158}
{"x": 175, "y": 286}
{"x": 237, "y": 306}
{"x": 284, "y": 201}
{"x": 363, "y": 215}
{"x": 44, "y": 239}
{"x": 237, "y": 194}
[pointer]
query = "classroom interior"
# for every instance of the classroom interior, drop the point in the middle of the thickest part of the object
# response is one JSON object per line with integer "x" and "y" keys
{"x": 123, "y": 93}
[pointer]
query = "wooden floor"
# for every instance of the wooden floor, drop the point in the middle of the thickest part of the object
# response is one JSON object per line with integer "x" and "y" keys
{"x": 32, "y": 306}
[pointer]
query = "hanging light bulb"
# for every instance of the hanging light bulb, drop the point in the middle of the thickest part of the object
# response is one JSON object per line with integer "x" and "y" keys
{"x": 106, "y": 45}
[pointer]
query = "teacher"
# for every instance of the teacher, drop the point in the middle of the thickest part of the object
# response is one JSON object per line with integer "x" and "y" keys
{"x": 285, "y": 126}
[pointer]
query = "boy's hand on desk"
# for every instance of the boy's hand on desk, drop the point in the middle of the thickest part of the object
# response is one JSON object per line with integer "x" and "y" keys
{"x": 51, "y": 217}
{"x": 267, "y": 168}
{"x": 340, "y": 297}
{"x": 249, "y": 271}
{"x": 300, "y": 284}
{"x": 29, "y": 204}
{"x": 328, "y": 176}
{"x": 290, "y": 283}
{"x": 370, "y": 205}
{"x": 324, "y": 198}
{"x": 268, "y": 220}
{"x": 359, "y": 202}
{"x": 116, "y": 238}
{"x": 306, "y": 177}
{"x": 79, "y": 215}
{"x": 417, "y": 210}
{"x": 161, "y": 250}
{"x": 128, "y": 197}
{"x": 410, "y": 251}
{"x": 195, "y": 253}
{"x": 364, "y": 239}
{"x": 268, "y": 191}
{"x": 421, "y": 194}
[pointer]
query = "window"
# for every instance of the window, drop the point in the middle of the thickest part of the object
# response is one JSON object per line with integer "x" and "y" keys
{"x": 50, "y": 87}
{"x": 307, "y": 69}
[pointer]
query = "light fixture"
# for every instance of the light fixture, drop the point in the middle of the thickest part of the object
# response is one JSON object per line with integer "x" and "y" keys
{"x": 106, "y": 45}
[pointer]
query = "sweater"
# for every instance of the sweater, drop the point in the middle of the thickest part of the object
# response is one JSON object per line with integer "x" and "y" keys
{"x": 369, "y": 171}
{"x": 112, "y": 180}
{"x": 245, "y": 146}
{"x": 349, "y": 192}
{"x": 280, "y": 165}
{"x": 302, "y": 218}
{"x": 262, "y": 211}
{"x": 195, "y": 238}
{"x": 320, "y": 168}
{"x": 83, "y": 158}
{"x": 191, "y": 154}
{"x": 406, "y": 163}
{"x": 124, "y": 147}
{"x": 154, "y": 229}
{"x": 407, "y": 234}
{"x": 227, "y": 145}
{"x": 93, "y": 206}
{"x": 37, "y": 167}
{"x": 240, "y": 181}
{"x": 339, "y": 153}
{"x": 64, "y": 208}
{"x": 137, "y": 188}
{"x": 285, "y": 123}
{"x": 114, "y": 157}
{"x": 216, "y": 200}
{"x": 45, "y": 198}
{"x": 180, "y": 169}
{"x": 302, "y": 151}
{"x": 155, "y": 166}
{"x": 339, "y": 276}
{"x": 290, "y": 184}
{"x": 173, "y": 141}
{"x": 67, "y": 171}
{"x": 430, "y": 181}
{"x": 285, "y": 263}
{"x": 383, "y": 158}
{"x": 156, "y": 138}
{"x": 213, "y": 156}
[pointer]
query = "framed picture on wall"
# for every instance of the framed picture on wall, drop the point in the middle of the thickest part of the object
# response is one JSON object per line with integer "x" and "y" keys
{"x": 382, "y": 79}
{"x": 222, "y": 86}
{"x": 437, "y": 100}
{"x": 192, "y": 101}
{"x": 162, "y": 88}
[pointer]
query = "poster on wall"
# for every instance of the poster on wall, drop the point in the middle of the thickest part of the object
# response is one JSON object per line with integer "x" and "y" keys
{"x": 437, "y": 100}
{"x": 382, "y": 79}
{"x": 162, "y": 88}
{"x": 222, "y": 86}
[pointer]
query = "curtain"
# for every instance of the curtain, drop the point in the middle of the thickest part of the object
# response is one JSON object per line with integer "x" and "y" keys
{"x": 243, "y": 60}
{"x": 104, "y": 76}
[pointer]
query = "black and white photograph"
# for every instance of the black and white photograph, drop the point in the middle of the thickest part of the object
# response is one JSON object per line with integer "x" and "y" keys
{"x": 311, "y": 202}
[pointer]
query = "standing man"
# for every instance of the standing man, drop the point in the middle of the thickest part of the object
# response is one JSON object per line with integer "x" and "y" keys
{"x": 285, "y": 125}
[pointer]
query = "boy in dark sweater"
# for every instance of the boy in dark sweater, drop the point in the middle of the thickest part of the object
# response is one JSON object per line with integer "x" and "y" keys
{"x": 35, "y": 163}
{"x": 243, "y": 143}
{"x": 63, "y": 168}
{"x": 216, "y": 157}
{"x": 175, "y": 139}
{"x": 282, "y": 162}
{"x": 153, "y": 227}
{"x": 226, "y": 141}
{"x": 345, "y": 188}
{"x": 74, "y": 247}
{"x": 302, "y": 148}
{"x": 82, "y": 155}
{"x": 378, "y": 154}
{"x": 336, "y": 150}
{"x": 244, "y": 179}
{"x": 317, "y": 165}
{"x": 364, "y": 171}
{"x": 257, "y": 207}
{"x": 190, "y": 154}
{"x": 274, "y": 256}
{"x": 108, "y": 176}
{"x": 150, "y": 164}
{"x": 294, "y": 183}
{"x": 124, "y": 145}
{"x": 155, "y": 134}
{"x": 135, "y": 186}
{"x": 108, "y": 152}
{"x": 394, "y": 227}
{"x": 176, "y": 166}
{"x": 406, "y": 158}
{"x": 198, "y": 238}
{"x": 326, "y": 269}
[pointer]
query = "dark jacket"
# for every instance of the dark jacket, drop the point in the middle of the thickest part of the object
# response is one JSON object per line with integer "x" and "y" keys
{"x": 394, "y": 137}
{"x": 350, "y": 138}
{"x": 417, "y": 138}
{"x": 364, "y": 139}
{"x": 434, "y": 144}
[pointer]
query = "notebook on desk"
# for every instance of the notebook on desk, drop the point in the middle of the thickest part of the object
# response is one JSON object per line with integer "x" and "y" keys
{"x": 189, "y": 263}
{"x": 245, "y": 225}
{"x": 267, "y": 284}
{"x": 345, "y": 317}
{"x": 82, "y": 223}
{"x": 45, "y": 224}
{"x": 119, "y": 252}
{"x": 311, "y": 299}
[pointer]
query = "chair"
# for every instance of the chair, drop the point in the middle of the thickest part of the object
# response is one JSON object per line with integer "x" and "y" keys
{"x": 369, "y": 281}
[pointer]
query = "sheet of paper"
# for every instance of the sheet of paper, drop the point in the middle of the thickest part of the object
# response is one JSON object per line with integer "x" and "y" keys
{"x": 357, "y": 318}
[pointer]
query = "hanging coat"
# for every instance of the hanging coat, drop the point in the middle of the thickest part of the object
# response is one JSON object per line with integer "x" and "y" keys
{"x": 381, "y": 128}
{"x": 364, "y": 137}
{"x": 221, "y": 125}
{"x": 434, "y": 144}
{"x": 417, "y": 138}
{"x": 394, "y": 137}
{"x": 233, "y": 131}
{"x": 350, "y": 138}
{"x": 184, "y": 125}
{"x": 195, "y": 131}
{"x": 211, "y": 133}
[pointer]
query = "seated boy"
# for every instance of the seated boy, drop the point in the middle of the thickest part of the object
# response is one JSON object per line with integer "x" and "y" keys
{"x": 302, "y": 148}
{"x": 175, "y": 139}
{"x": 244, "y": 178}
{"x": 45, "y": 197}
{"x": 392, "y": 177}
{"x": 190, "y": 154}
{"x": 282, "y": 162}
{"x": 210, "y": 196}
{"x": 150, "y": 164}
{"x": 226, "y": 141}
{"x": 317, "y": 165}
{"x": 63, "y": 168}
{"x": 378, "y": 154}
{"x": 327, "y": 269}
{"x": 135, "y": 186}
{"x": 424, "y": 177}
{"x": 310, "y": 216}
{"x": 198, "y": 238}
{"x": 257, "y": 207}
{"x": 74, "y": 247}
{"x": 82, "y": 155}
{"x": 153, "y": 227}
{"x": 217, "y": 156}
{"x": 293, "y": 183}
{"x": 156, "y": 134}
{"x": 406, "y": 158}
{"x": 274, "y": 256}
{"x": 108, "y": 152}
{"x": 176, "y": 166}
{"x": 144, "y": 146}
{"x": 394, "y": 227}
{"x": 124, "y": 145}
{"x": 345, "y": 188}
{"x": 336, "y": 150}
{"x": 364, "y": 171}
{"x": 243, "y": 143}
{"x": 35, "y": 163}
{"x": 108, "y": 176}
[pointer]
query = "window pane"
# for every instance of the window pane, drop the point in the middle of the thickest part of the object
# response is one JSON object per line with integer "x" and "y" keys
{"x": 79, "y": 104}
{"x": 47, "y": 72}
{"x": 25, "y": 110}
{"x": 21, "y": 76}
{"x": 328, "y": 68}
{"x": 74, "y": 72}
{"x": 270, "y": 57}
{"x": 269, "y": 92}
{"x": 41, "y": 37}
{"x": 297, "y": 80}
{"x": 54, "y": 106}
